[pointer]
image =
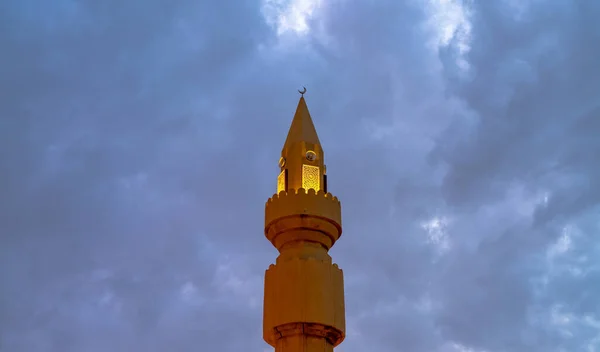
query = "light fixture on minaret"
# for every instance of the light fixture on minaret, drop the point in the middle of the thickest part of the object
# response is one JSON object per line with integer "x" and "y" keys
{"x": 304, "y": 291}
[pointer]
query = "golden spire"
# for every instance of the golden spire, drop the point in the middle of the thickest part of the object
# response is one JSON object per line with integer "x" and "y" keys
{"x": 302, "y": 128}
{"x": 302, "y": 158}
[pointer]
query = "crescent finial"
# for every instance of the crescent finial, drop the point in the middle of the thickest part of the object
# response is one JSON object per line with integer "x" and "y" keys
{"x": 302, "y": 91}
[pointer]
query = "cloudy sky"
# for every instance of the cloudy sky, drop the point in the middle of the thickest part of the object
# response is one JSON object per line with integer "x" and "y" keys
{"x": 139, "y": 142}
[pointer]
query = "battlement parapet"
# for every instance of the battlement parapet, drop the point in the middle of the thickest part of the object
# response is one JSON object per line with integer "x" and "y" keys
{"x": 299, "y": 210}
{"x": 302, "y": 203}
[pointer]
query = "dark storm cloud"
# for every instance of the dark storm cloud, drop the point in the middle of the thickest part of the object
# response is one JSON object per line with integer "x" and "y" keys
{"x": 98, "y": 100}
{"x": 139, "y": 144}
{"x": 535, "y": 85}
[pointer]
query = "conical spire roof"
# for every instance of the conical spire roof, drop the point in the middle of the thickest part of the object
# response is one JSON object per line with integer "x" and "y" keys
{"x": 302, "y": 128}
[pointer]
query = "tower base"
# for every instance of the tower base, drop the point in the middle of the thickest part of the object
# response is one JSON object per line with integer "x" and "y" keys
{"x": 303, "y": 343}
{"x": 306, "y": 337}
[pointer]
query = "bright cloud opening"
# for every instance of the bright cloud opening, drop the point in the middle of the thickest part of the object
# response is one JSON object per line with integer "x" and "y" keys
{"x": 562, "y": 244}
{"x": 437, "y": 234}
{"x": 450, "y": 22}
{"x": 289, "y": 15}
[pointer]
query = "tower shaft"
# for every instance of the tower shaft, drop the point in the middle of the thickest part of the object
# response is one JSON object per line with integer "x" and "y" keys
{"x": 304, "y": 290}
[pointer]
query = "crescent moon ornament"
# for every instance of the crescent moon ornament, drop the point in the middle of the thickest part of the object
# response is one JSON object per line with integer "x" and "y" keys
{"x": 302, "y": 91}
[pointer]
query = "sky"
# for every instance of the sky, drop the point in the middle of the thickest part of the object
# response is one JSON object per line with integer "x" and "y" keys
{"x": 139, "y": 142}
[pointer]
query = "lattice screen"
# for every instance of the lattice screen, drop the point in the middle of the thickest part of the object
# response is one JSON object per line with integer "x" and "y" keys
{"x": 311, "y": 177}
{"x": 281, "y": 182}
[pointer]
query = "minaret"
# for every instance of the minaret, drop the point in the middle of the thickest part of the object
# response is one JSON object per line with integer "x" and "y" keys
{"x": 304, "y": 290}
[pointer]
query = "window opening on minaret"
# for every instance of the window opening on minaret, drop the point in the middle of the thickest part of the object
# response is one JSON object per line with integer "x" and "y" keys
{"x": 281, "y": 181}
{"x": 311, "y": 177}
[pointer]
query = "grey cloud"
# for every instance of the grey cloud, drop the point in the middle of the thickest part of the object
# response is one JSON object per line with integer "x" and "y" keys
{"x": 533, "y": 85}
{"x": 139, "y": 144}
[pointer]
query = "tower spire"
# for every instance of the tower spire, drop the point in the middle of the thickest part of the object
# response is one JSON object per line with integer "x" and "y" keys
{"x": 302, "y": 128}
{"x": 304, "y": 290}
{"x": 302, "y": 154}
